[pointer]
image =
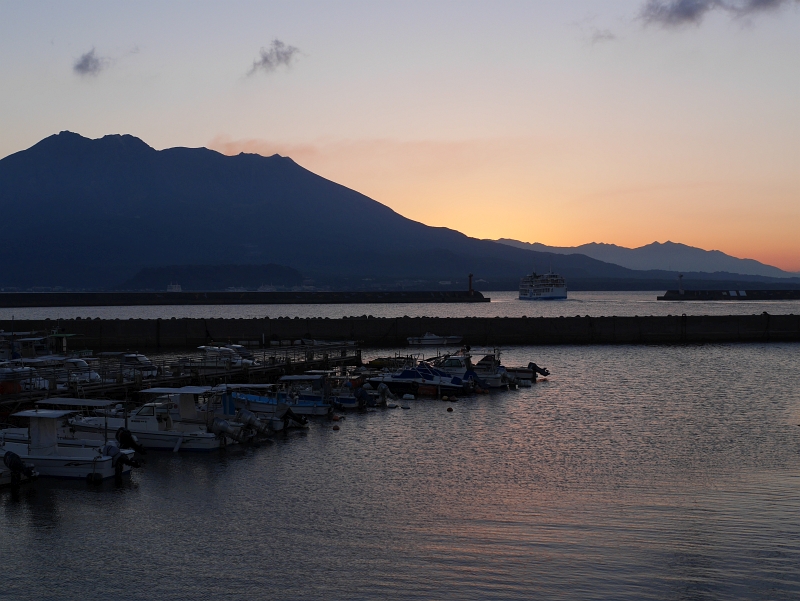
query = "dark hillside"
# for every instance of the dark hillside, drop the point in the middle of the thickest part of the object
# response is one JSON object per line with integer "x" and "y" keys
{"x": 91, "y": 213}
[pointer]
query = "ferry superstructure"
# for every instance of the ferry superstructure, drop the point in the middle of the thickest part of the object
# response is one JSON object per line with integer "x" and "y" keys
{"x": 547, "y": 286}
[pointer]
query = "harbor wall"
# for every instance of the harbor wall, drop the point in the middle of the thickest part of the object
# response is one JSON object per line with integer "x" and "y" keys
{"x": 129, "y": 299}
{"x": 167, "y": 334}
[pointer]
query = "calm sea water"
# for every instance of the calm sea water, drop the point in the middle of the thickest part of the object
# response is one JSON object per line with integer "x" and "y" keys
{"x": 504, "y": 304}
{"x": 632, "y": 473}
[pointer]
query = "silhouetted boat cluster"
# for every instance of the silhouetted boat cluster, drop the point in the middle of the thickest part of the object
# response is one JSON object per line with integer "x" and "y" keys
{"x": 98, "y": 439}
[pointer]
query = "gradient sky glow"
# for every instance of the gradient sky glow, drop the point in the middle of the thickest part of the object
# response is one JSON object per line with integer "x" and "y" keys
{"x": 557, "y": 122}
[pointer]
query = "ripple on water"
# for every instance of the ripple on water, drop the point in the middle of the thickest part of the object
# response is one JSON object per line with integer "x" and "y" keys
{"x": 632, "y": 473}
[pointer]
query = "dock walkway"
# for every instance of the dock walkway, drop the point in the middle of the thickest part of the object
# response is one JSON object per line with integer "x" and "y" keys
{"x": 273, "y": 364}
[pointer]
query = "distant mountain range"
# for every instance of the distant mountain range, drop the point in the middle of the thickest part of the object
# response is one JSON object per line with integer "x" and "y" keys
{"x": 668, "y": 256}
{"x": 82, "y": 213}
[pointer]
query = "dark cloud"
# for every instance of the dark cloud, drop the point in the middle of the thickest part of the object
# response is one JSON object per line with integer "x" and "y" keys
{"x": 90, "y": 64}
{"x": 674, "y": 13}
{"x": 273, "y": 57}
{"x": 677, "y": 12}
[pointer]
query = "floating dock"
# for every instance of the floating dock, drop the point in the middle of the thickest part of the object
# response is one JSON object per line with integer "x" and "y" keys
{"x": 125, "y": 299}
{"x": 273, "y": 363}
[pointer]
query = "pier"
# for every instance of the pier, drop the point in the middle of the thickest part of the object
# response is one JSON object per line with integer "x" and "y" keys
{"x": 272, "y": 363}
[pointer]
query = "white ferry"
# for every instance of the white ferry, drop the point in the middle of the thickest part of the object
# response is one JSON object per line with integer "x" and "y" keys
{"x": 547, "y": 286}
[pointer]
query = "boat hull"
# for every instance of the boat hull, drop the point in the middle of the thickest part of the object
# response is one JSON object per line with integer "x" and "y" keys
{"x": 158, "y": 440}
{"x": 556, "y": 294}
{"x": 69, "y": 463}
{"x": 269, "y": 405}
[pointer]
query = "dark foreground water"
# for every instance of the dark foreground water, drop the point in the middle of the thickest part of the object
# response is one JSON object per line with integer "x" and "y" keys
{"x": 633, "y": 473}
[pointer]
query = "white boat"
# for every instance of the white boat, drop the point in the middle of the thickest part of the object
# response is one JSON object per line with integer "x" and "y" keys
{"x": 546, "y": 286}
{"x": 15, "y": 378}
{"x": 66, "y": 435}
{"x": 51, "y": 459}
{"x": 127, "y": 367}
{"x": 486, "y": 372}
{"x": 215, "y": 358}
{"x": 154, "y": 427}
{"x": 77, "y": 370}
{"x": 433, "y": 340}
{"x": 176, "y": 421}
{"x": 242, "y": 351}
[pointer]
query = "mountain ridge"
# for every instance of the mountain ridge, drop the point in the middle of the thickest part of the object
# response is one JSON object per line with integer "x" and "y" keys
{"x": 90, "y": 214}
{"x": 670, "y": 256}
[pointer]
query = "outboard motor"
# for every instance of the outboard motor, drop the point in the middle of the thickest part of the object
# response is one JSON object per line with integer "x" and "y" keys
{"x": 290, "y": 415}
{"x": 249, "y": 420}
{"x": 363, "y": 397}
{"x": 385, "y": 393}
{"x": 223, "y": 429}
{"x": 17, "y": 466}
{"x": 127, "y": 440}
{"x": 538, "y": 370}
{"x": 118, "y": 459}
{"x": 471, "y": 375}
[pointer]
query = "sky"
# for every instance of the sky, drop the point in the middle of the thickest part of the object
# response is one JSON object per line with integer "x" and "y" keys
{"x": 620, "y": 121}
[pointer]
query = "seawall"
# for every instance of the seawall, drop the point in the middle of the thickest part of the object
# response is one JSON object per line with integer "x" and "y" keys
{"x": 124, "y": 299}
{"x": 167, "y": 334}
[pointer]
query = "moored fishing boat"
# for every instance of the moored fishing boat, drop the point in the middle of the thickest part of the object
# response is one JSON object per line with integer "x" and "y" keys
{"x": 429, "y": 339}
{"x": 215, "y": 359}
{"x": 153, "y": 426}
{"x": 487, "y": 372}
{"x": 524, "y": 376}
{"x": 423, "y": 376}
{"x": 51, "y": 459}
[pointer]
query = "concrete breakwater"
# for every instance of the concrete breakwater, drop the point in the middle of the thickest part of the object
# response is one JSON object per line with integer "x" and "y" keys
{"x": 166, "y": 334}
{"x": 120, "y": 299}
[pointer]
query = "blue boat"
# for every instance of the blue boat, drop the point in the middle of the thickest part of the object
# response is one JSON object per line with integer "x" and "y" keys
{"x": 410, "y": 379}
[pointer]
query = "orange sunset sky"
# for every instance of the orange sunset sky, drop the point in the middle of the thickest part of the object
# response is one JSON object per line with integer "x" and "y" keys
{"x": 624, "y": 122}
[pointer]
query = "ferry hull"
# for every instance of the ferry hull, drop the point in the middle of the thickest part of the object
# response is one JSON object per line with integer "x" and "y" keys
{"x": 554, "y": 294}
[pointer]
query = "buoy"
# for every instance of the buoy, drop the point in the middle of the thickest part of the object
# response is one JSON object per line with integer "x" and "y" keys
{"x": 336, "y": 427}
{"x": 335, "y": 418}
{"x": 449, "y": 408}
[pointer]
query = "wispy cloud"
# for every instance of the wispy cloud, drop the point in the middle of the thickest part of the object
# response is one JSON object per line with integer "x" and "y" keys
{"x": 602, "y": 35}
{"x": 90, "y": 64}
{"x": 675, "y": 13}
{"x": 273, "y": 57}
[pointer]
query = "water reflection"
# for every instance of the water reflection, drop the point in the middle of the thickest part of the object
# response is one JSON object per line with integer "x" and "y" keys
{"x": 632, "y": 473}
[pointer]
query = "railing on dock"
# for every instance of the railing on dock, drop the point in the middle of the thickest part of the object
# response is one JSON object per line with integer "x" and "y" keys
{"x": 120, "y": 381}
